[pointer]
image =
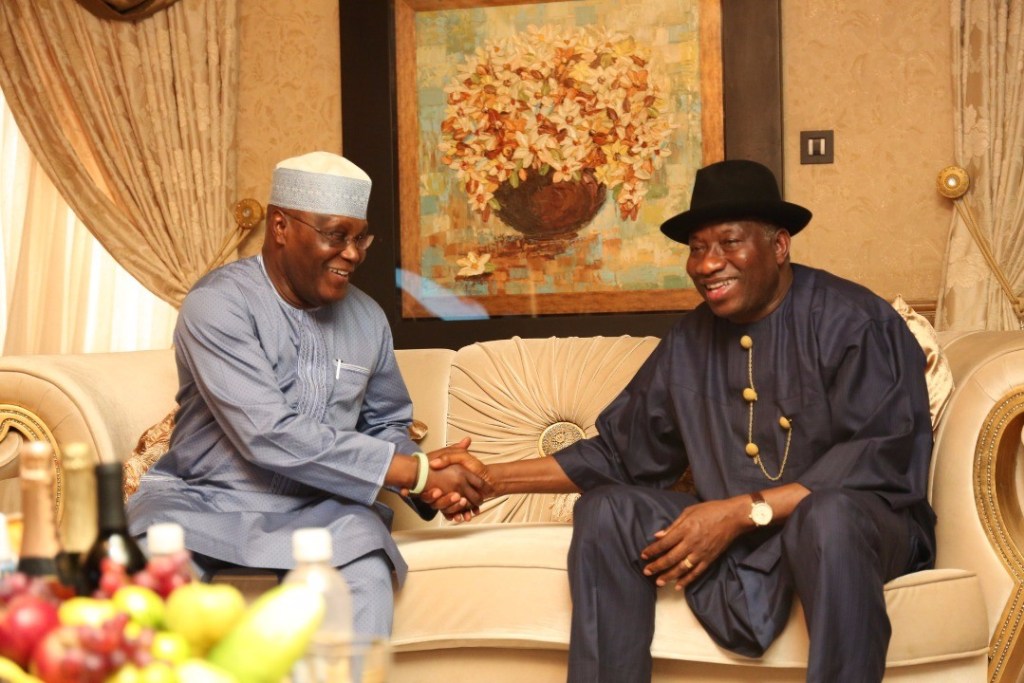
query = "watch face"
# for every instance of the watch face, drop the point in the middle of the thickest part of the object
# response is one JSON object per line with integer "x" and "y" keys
{"x": 761, "y": 514}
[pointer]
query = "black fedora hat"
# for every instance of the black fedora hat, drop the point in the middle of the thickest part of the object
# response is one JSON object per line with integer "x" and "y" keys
{"x": 733, "y": 190}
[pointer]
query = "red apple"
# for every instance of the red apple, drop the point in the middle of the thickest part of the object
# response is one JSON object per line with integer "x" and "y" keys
{"x": 23, "y": 623}
{"x": 59, "y": 657}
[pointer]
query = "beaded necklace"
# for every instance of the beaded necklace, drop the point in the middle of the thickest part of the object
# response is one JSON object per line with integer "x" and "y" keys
{"x": 750, "y": 396}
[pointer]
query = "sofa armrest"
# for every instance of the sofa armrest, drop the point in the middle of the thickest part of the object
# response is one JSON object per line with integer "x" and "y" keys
{"x": 105, "y": 400}
{"x": 975, "y": 486}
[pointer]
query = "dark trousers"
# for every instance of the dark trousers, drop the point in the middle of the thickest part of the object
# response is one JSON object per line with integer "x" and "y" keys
{"x": 835, "y": 551}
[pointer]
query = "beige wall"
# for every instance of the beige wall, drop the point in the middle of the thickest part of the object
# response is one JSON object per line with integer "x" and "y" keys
{"x": 877, "y": 74}
{"x": 290, "y": 88}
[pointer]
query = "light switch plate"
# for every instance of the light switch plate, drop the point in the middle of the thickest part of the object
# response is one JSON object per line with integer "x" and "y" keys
{"x": 817, "y": 147}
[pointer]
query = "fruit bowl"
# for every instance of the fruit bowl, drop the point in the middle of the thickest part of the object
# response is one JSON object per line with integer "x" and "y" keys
{"x": 160, "y": 627}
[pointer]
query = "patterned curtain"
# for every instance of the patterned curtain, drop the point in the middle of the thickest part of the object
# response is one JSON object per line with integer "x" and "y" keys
{"x": 128, "y": 10}
{"x": 989, "y": 89}
{"x": 135, "y": 124}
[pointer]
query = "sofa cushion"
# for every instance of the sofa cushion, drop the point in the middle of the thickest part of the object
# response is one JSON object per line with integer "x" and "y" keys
{"x": 937, "y": 371}
{"x": 506, "y": 394}
{"x": 509, "y": 589}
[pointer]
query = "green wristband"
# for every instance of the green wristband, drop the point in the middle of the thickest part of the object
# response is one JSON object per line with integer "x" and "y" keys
{"x": 421, "y": 476}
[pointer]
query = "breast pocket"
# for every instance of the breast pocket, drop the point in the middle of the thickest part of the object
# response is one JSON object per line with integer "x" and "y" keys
{"x": 349, "y": 383}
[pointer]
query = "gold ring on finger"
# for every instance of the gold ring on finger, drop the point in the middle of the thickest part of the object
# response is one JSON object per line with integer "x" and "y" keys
{"x": 687, "y": 563}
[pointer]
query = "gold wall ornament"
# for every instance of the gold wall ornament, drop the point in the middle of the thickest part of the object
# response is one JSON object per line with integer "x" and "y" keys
{"x": 953, "y": 183}
{"x": 248, "y": 213}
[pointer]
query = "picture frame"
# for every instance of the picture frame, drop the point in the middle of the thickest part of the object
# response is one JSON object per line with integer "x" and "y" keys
{"x": 376, "y": 67}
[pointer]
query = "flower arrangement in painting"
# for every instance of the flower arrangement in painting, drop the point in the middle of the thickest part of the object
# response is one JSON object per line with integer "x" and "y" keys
{"x": 571, "y": 115}
{"x": 474, "y": 265}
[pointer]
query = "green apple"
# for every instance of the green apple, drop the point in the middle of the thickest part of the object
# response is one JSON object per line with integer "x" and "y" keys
{"x": 169, "y": 646}
{"x": 83, "y": 611}
{"x": 158, "y": 672}
{"x": 142, "y": 605}
{"x": 203, "y": 613}
{"x": 201, "y": 671}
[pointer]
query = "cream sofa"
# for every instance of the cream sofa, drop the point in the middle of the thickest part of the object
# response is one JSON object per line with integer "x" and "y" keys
{"x": 488, "y": 601}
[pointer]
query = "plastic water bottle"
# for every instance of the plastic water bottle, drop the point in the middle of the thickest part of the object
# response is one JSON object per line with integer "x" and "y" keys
{"x": 328, "y": 656}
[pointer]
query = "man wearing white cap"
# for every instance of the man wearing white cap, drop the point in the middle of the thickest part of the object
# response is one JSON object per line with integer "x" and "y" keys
{"x": 292, "y": 411}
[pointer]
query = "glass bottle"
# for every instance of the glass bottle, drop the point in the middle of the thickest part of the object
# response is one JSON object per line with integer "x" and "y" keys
{"x": 78, "y": 532}
{"x": 8, "y": 561}
{"x": 39, "y": 543}
{"x": 114, "y": 555}
{"x": 327, "y": 657}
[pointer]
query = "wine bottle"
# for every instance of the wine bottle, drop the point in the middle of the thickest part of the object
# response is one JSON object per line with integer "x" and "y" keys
{"x": 78, "y": 532}
{"x": 39, "y": 543}
{"x": 115, "y": 554}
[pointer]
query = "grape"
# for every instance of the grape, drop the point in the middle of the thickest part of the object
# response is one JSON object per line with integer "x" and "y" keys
{"x": 111, "y": 580}
{"x": 162, "y": 566}
{"x": 13, "y": 585}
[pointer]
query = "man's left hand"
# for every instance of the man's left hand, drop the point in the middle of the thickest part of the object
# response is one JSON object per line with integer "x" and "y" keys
{"x": 686, "y": 548}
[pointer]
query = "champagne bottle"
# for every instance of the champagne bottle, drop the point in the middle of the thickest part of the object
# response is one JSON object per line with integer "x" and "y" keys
{"x": 115, "y": 554}
{"x": 78, "y": 532}
{"x": 39, "y": 543}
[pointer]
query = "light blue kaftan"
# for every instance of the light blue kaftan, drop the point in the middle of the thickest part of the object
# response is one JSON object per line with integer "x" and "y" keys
{"x": 288, "y": 418}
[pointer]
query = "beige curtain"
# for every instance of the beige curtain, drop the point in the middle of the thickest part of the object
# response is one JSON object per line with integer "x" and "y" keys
{"x": 130, "y": 10}
{"x": 989, "y": 90}
{"x": 134, "y": 122}
{"x": 60, "y": 292}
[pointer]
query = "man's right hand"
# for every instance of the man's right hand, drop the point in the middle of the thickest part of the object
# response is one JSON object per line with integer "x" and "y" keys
{"x": 444, "y": 459}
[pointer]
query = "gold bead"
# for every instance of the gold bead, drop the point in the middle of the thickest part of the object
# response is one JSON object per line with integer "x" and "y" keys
{"x": 752, "y": 449}
{"x": 785, "y": 423}
{"x": 746, "y": 342}
{"x": 749, "y": 395}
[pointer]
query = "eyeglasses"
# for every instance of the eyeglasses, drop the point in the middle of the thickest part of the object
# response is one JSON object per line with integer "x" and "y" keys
{"x": 337, "y": 240}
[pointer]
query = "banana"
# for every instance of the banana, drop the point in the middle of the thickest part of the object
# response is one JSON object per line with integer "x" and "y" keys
{"x": 12, "y": 673}
{"x": 271, "y": 636}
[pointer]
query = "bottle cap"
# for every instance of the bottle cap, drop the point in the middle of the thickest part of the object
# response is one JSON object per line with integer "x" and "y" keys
{"x": 165, "y": 538}
{"x": 311, "y": 545}
{"x": 36, "y": 461}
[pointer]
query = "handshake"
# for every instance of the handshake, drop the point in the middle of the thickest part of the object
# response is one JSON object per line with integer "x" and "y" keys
{"x": 457, "y": 482}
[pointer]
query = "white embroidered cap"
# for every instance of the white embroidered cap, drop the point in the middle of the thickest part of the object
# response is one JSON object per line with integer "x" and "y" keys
{"x": 321, "y": 182}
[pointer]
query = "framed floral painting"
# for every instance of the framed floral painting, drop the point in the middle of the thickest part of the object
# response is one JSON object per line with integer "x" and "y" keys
{"x": 537, "y": 146}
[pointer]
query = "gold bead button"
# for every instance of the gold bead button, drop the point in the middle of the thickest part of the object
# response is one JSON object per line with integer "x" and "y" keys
{"x": 746, "y": 342}
{"x": 784, "y": 423}
{"x": 749, "y": 395}
{"x": 752, "y": 449}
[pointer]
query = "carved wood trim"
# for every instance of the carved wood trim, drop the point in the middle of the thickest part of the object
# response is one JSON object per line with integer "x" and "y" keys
{"x": 999, "y": 510}
{"x": 32, "y": 428}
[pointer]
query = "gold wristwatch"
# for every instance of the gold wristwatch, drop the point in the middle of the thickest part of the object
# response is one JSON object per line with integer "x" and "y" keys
{"x": 760, "y": 510}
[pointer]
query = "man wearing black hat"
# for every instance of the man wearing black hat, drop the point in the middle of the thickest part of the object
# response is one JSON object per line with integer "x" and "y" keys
{"x": 798, "y": 401}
